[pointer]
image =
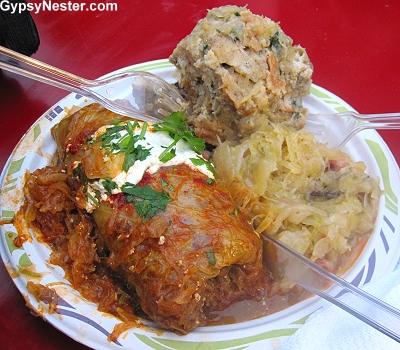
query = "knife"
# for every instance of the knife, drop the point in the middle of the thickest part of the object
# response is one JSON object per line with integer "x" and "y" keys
{"x": 312, "y": 277}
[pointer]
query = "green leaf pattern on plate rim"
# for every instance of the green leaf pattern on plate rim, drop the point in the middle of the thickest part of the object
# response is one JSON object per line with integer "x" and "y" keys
{"x": 10, "y": 184}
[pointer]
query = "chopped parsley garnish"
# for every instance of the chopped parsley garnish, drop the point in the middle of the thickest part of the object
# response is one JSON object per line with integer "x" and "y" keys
{"x": 121, "y": 138}
{"x": 165, "y": 183}
{"x": 109, "y": 185}
{"x": 211, "y": 256}
{"x": 168, "y": 153}
{"x": 210, "y": 181}
{"x": 175, "y": 126}
{"x": 137, "y": 153}
{"x": 199, "y": 161}
{"x": 94, "y": 199}
{"x": 146, "y": 200}
{"x": 79, "y": 173}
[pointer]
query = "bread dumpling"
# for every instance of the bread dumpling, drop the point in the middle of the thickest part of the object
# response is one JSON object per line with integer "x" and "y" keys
{"x": 238, "y": 70}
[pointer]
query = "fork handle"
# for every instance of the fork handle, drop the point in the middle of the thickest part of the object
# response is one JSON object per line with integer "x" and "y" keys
{"x": 29, "y": 67}
{"x": 380, "y": 118}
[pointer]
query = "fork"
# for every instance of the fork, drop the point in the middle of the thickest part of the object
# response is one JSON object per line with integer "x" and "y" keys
{"x": 140, "y": 95}
{"x": 350, "y": 124}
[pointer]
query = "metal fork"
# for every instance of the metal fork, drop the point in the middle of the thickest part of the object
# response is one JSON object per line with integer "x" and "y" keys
{"x": 140, "y": 95}
{"x": 350, "y": 124}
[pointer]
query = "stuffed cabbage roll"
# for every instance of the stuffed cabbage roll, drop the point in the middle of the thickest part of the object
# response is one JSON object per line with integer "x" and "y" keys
{"x": 198, "y": 254}
{"x": 161, "y": 223}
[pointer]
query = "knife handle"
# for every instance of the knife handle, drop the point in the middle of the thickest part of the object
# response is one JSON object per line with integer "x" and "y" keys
{"x": 314, "y": 278}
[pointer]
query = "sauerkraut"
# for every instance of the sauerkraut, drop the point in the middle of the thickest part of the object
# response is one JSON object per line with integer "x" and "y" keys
{"x": 313, "y": 198}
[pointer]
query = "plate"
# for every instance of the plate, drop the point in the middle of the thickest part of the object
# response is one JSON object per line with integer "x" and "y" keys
{"x": 80, "y": 319}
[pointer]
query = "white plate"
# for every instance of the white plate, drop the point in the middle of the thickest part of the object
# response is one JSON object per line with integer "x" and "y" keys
{"x": 80, "y": 319}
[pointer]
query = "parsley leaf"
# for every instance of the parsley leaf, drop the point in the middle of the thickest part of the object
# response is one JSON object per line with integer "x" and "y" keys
{"x": 137, "y": 153}
{"x": 109, "y": 185}
{"x": 121, "y": 138}
{"x": 168, "y": 153}
{"x": 211, "y": 256}
{"x": 175, "y": 125}
{"x": 146, "y": 200}
{"x": 94, "y": 199}
{"x": 199, "y": 161}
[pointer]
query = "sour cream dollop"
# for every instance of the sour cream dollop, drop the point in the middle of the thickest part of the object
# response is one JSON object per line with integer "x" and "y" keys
{"x": 155, "y": 142}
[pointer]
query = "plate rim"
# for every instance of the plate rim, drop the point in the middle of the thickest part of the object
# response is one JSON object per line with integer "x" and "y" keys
{"x": 160, "y": 66}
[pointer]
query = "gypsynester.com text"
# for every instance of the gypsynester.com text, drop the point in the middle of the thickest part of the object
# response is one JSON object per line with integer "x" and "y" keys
{"x": 48, "y": 5}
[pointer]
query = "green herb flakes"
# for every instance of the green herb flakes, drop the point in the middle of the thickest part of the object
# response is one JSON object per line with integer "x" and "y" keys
{"x": 121, "y": 138}
{"x": 109, "y": 185}
{"x": 94, "y": 200}
{"x": 211, "y": 256}
{"x": 175, "y": 126}
{"x": 199, "y": 161}
{"x": 146, "y": 200}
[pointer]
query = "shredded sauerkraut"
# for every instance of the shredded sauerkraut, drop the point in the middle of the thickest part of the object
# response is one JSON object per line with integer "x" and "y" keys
{"x": 315, "y": 199}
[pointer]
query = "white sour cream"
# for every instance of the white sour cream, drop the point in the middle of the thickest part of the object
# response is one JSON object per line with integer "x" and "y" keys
{"x": 157, "y": 142}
